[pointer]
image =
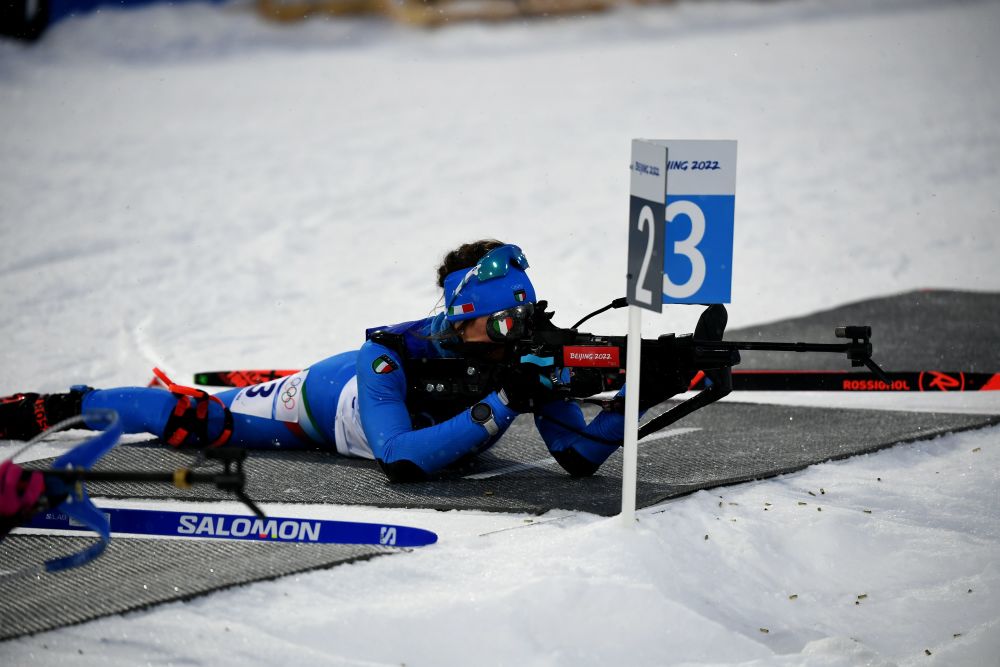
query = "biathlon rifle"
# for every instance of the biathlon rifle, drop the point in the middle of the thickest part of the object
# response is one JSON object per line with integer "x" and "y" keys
{"x": 577, "y": 365}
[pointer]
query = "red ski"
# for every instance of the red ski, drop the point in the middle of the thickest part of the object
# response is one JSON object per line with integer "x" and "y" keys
{"x": 239, "y": 378}
{"x": 774, "y": 380}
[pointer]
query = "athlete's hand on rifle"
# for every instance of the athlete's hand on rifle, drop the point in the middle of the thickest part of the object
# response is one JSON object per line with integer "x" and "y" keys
{"x": 523, "y": 388}
{"x": 19, "y": 495}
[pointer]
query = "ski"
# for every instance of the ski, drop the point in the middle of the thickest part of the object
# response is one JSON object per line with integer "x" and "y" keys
{"x": 241, "y": 527}
{"x": 239, "y": 378}
{"x": 925, "y": 381}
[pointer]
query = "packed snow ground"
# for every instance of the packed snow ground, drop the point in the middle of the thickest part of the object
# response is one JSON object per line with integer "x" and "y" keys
{"x": 191, "y": 187}
{"x": 874, "y": 561}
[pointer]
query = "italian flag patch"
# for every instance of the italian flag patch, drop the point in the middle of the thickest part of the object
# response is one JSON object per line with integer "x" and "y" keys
{"x": 461, "y": 309}
{"x": 503, "y": 326}
{"x": 384, "y": 364}
{"x": 520, "y": 295}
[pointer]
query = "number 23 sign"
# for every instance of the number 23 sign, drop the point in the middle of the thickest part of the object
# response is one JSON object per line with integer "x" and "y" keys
{"x": 681, "y": 214}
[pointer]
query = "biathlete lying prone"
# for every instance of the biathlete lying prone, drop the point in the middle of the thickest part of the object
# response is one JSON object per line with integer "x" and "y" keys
{"x": 358, "y": 402}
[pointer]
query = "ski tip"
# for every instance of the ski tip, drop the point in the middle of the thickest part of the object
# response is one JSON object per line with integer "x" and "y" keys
{"x": 406, "y": 537}
{"x": 993, "y": 384}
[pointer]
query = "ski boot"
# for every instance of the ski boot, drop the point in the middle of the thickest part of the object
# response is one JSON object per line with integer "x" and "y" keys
{"x": 23, "y": 416}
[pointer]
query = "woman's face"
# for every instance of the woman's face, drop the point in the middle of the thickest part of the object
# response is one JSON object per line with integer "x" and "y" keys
{"x": 475, "y": 331}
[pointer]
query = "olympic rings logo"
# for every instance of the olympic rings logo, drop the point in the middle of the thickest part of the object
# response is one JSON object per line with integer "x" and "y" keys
{"x": 291, "y": 390}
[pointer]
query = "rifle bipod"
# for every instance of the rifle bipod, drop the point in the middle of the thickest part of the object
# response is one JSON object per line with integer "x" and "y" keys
{"x": 711, "y": 327}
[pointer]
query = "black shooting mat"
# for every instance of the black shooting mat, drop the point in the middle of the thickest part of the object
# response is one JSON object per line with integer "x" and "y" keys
{"x": 137, "y": 573}
{"x": 923, "y": 330}
{"x": 944, "y": 330}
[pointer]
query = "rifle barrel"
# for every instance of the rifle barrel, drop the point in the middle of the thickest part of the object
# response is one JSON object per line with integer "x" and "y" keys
{"x": 775, "y": 347}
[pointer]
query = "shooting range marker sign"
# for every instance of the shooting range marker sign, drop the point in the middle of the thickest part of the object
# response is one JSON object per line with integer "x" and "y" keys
{"x": 681, "y": 218}
{"x": 647, "y": 197}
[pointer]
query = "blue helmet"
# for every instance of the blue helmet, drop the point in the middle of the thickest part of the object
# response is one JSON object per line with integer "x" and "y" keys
{"x": 497, "y": 282}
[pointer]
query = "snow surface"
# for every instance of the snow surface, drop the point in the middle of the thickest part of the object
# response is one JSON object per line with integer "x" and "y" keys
{"x": 191, "y": 187}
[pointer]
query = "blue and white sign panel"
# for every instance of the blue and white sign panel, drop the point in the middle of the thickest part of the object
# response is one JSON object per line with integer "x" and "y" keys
{"x": 699, "y": 213}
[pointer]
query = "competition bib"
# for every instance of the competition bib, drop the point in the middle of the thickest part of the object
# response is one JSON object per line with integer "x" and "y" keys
{"x": 278, "y": 399}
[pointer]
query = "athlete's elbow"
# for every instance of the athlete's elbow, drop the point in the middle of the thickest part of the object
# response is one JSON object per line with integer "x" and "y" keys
{"x": 575, "y": 463}
{"x": 403, "y": 471}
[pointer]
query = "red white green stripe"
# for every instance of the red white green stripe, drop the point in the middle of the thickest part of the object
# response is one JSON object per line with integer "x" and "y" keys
{"x": 383, "y": 365}
{"x": 504, "y": 326}
{"x": 461, "y": 309}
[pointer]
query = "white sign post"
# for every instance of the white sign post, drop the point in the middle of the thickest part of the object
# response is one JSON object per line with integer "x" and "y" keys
{"x": 647, "y": 200}
{"x": 680, "y": 250}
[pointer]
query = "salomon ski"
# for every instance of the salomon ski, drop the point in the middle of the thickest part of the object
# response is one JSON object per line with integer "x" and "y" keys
{"x": 131, "y": 521}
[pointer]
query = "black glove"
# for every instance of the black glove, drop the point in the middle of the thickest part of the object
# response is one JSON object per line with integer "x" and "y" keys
{"x": 522, "y": 388}
{"x": 543, "y": 318}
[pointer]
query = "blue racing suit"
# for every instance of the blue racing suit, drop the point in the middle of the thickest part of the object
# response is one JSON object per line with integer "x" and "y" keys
{"x": 313, "y": 407}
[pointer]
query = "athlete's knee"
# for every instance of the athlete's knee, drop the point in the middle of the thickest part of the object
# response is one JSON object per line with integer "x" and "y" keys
{"x": 197, "y": 419}
{"x": 198, "y": 422}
